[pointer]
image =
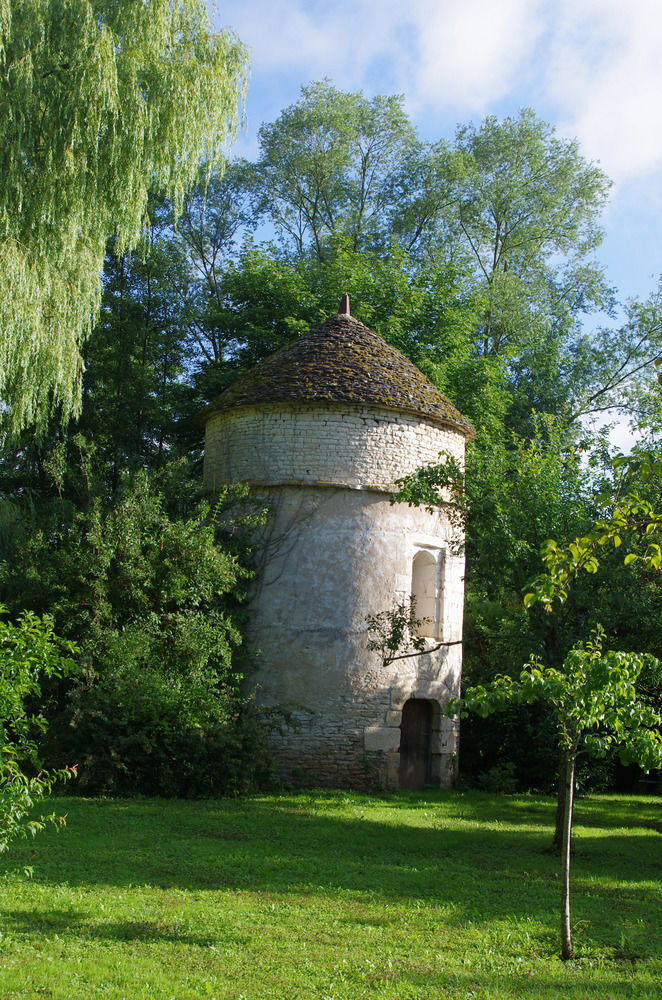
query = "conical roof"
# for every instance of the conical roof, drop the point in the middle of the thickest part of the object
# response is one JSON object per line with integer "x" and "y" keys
{"x": 342, "y": 361}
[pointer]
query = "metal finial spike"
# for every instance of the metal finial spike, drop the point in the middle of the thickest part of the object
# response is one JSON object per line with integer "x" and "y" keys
{"x": 343, "y": 308}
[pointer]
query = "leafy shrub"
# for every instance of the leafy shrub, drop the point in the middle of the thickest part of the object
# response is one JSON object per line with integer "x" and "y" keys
{"x": 500, "y": 779}
{"x": 122, "y": 753}
{"x": 154, "y": 602}
{"x": 29, "y": 650}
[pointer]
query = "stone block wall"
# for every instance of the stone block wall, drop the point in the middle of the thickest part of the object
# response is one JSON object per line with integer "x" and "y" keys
{"x": 334, "y": 551}
{"x": 332, "y": 556}
{"x": 344, "y": 444}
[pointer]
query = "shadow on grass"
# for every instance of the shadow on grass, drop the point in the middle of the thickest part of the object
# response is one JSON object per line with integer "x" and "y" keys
{"x": 475, "y": 856}
{"x": 68, "y": 923}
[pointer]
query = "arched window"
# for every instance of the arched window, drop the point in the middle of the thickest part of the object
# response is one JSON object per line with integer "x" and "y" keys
{"x": 424, "y": 592}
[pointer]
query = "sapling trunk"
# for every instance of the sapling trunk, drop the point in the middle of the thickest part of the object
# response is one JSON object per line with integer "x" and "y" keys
{"x": 566, "y": 933}
{"x": 557, "y": 839}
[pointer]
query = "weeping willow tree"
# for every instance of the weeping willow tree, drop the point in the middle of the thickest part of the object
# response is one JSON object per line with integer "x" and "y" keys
{"x": 101, "y": 101}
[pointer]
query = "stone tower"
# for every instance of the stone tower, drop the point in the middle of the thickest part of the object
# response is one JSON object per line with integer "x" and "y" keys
{"x": 323, "y": 428}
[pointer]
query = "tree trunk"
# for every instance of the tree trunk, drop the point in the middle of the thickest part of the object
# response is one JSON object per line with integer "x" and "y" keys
{"x": 566, "y": 933}
{"x": 557, "y": 839}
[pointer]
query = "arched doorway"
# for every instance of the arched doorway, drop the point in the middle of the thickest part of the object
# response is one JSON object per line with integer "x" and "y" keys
{"x": 415, "y": 743}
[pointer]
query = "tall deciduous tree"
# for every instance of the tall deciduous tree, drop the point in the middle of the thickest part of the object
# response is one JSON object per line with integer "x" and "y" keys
{"x": 217, "y": 215}
{"x": 527, "y": 211}
{"x": 522, "y": 206}
{"x": 328, "y": 164}
{"x": 132, "y": 388}
{"x": 99, "y": 103}
{"x": 615, "y": 367}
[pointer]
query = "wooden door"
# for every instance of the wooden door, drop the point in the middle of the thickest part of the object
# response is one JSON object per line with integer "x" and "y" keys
{"x": 415, "y": 741}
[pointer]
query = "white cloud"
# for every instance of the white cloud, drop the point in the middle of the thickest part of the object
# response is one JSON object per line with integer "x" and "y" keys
{"x": 604, "y": 74}
{"x": 335, "y": 39}
{"x": 460, "y": 53}
{"x": 593, "y": 66}
{"x": 471, "y": 52}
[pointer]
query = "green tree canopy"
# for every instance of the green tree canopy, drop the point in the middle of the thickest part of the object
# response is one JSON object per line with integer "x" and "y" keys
{"x": 328, "y": 165}
{"x": 596, "y": 707}
{"x": 100, "y": 103}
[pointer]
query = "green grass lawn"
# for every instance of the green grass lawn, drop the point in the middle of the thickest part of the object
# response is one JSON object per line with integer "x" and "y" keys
{"x": 333, "y": 895}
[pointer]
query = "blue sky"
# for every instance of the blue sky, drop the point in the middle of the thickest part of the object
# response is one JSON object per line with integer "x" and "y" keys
{"x": 593, "y": 68}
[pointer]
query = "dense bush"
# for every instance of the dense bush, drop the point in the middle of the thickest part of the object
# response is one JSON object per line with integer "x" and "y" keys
{"x": 29, "y": 652}
{"x": 124, "y": 747}
{"x": 154, "y": 604}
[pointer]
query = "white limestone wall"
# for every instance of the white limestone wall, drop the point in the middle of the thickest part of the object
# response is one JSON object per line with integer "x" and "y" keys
{"x": 357, "y": 446}
{"x": 334, "y": 551}
{"x": 331, "y": 557}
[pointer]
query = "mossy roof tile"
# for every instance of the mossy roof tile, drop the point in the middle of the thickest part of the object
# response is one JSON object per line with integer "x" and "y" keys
{"x": 341, "y": 361}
